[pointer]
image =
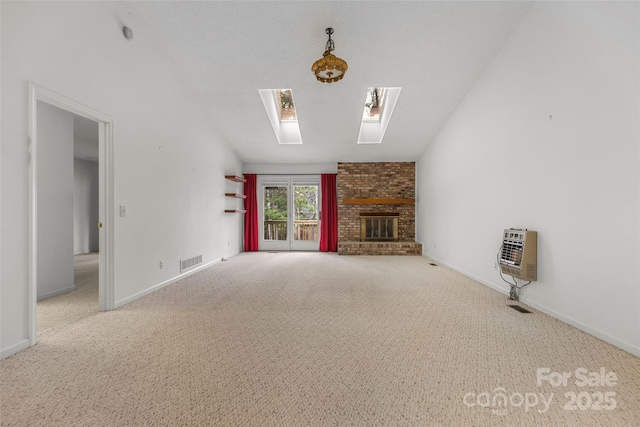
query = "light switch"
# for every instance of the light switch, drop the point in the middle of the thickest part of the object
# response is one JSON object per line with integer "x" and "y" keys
{"x": 123, "y": 211}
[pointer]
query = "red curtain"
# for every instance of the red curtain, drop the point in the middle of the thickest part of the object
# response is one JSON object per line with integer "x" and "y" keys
{"x": 329, "y": 220}
{"x": 251, "y": 216}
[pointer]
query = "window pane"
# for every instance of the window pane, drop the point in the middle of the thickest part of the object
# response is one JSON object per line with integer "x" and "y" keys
{"x": 275, "y": 212}
{"x": 284, "y": 101}
{"x": 305, "y": 217}
{"x": 373, "y": 103}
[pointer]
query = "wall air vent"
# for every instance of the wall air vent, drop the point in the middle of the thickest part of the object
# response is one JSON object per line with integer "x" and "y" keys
{"x": 518, "y": 308}
{"x": 191, "y": 263}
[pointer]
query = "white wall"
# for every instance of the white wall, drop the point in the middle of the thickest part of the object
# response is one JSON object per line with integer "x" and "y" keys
{"x": 169, "y": 161}
{"x": 85, "y": 206}
{"x": 55, "y": 201}
{"x": 547, "y": 139}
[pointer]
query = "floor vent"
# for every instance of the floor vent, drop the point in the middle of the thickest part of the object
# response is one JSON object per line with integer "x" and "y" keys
{"x": 188, "y": 264}
{"x": 518, "y": 308}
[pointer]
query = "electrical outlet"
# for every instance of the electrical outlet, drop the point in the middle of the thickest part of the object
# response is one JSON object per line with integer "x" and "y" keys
{"x": 228, "y": 242}
{"x": 161, "y": 264}
{"x": 495, "y": 265}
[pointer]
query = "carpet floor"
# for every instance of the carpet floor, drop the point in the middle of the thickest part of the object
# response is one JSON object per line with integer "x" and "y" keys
{"x": 72, "y": 306}
{"x": 316, "y": 339}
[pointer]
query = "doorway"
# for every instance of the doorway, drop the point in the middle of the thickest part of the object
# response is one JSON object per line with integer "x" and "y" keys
{"x": 289, "y": 214}
{"x": 67, "y": 200}
{"x": 106, "y": 293}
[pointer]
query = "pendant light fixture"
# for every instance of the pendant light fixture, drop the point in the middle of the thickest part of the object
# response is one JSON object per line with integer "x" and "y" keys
{"x": 329, "y": 68}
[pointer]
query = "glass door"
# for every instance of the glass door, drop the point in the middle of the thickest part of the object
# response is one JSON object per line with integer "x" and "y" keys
{"x": 275, "y": 216}
{"x": 306, "y": 217}
{"x": 289, "y": 213}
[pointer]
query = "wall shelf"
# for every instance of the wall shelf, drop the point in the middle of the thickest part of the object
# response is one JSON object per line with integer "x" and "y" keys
{"x": 235, "y": 178}
{"x": 236, "y": 195}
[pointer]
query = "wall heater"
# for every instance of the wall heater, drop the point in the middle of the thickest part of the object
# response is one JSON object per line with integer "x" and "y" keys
{"x": 519, "y": 254}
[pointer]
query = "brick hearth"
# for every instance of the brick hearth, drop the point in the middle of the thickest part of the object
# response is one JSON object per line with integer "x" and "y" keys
{"x": 379, "y": 248}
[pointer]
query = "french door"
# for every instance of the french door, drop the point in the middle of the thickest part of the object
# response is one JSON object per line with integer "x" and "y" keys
{"x": 289, "y": 215}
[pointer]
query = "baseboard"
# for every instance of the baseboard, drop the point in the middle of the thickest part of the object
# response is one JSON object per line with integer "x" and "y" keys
{"x": 495, "y": 287}
{"x": 16, "y": 348}
{"x": 170, "y": 281}
{"x": 56, "y": 293}
{"x": 621, "y": 344}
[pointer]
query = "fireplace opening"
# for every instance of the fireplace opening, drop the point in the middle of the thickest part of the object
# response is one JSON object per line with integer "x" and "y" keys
{"x": 379, "y": 227}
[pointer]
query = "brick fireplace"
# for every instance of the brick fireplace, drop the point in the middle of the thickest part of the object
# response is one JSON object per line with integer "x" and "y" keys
{"x": 370, "y": 190}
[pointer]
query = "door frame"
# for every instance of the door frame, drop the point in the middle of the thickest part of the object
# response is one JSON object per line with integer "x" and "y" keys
{"x": 105, "y": 198}
{"x": 290, "y": 181}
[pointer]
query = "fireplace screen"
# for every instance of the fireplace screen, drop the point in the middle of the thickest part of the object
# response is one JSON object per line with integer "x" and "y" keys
{"x": 379, "y": 227}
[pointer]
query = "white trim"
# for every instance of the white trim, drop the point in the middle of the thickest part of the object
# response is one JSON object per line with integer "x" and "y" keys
{"x": 56, "y": 292}
{"x": 37, "y": 93}
{"x": 16, "y": 348}
{"x": 107, "y": 248}
{"x": 2, "y": 356}
{"x": 171, "y": 281}
{"x": 289, "y": 181}
{"x": 630, "y": 348}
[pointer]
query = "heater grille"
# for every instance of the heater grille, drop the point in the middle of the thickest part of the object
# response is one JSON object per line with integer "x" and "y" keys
{"x": 188, "y": 264}
{"x": 512, "y": 253}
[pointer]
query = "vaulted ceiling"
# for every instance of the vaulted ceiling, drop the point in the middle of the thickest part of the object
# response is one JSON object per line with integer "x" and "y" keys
{"x": 224, "y": 52}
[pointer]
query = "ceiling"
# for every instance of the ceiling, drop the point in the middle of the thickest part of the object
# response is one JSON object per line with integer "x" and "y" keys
{"x": 224, "y": 52}
{"x": 85, "y": 138}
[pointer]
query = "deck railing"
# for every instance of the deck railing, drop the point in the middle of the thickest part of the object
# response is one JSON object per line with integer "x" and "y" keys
{"x": 275, "y": 230}
{"x": 302, "y": 230}
{"x": 305, "y": 230}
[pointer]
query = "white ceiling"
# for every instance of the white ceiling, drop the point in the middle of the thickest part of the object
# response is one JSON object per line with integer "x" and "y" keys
{"x": 85, "y": 138}
{"x": 224, "y": 52}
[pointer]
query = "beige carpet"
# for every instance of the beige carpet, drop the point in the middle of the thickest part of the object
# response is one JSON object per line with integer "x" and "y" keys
{"x": 72, "y": 306}
{"x": 312, "y": 339}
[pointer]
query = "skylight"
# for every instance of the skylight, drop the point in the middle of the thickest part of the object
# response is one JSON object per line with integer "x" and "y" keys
{"x": 281, "y": 111}
{"x": 379, "y": 104}
{"x": 373, "y": 103}
{"x": 285, "y": 105}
